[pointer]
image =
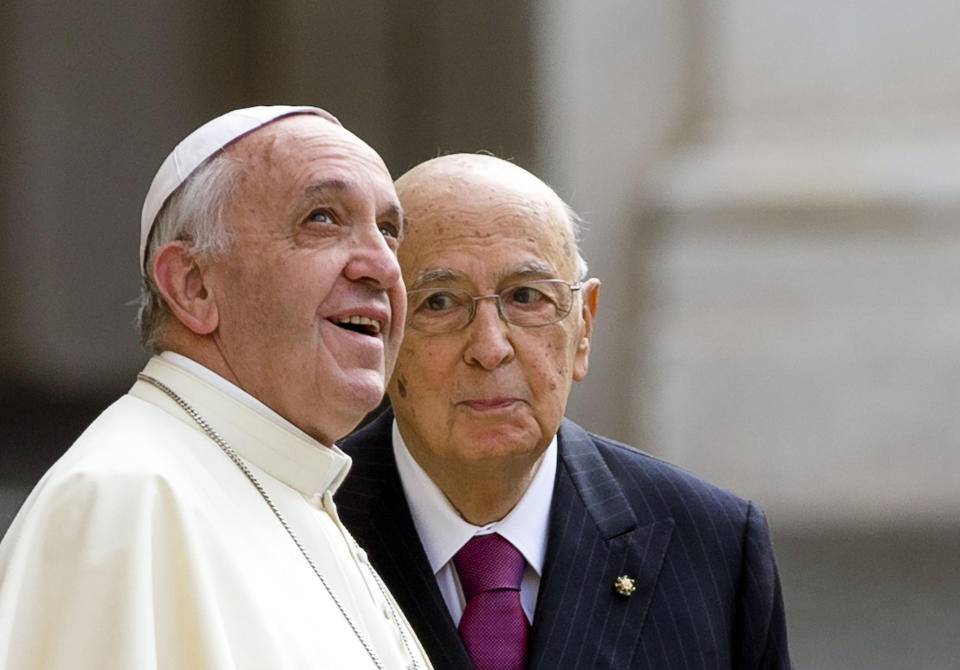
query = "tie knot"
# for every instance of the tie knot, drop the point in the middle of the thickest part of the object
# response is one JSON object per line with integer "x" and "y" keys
{"x": 488, "y": 562}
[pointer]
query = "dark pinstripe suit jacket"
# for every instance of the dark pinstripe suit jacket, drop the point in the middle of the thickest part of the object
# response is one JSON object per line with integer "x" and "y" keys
{"x": 708, "y": 594}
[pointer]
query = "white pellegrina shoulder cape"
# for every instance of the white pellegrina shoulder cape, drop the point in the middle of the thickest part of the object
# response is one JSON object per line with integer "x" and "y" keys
{"x": 145, "y": 546}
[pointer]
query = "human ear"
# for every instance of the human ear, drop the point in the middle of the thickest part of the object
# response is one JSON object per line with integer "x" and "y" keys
{"x": 589, "y": 292}
{"x": 180, "y": 281}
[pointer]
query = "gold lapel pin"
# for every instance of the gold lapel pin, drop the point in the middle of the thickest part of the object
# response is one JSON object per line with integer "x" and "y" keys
{"x": 625, "y": 586}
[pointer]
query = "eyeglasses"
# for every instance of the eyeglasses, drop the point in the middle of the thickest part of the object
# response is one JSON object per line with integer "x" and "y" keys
{"x": 530, "y": 304}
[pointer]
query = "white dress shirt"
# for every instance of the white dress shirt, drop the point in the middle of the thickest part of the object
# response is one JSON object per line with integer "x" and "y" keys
{"x": 443, "y": 531}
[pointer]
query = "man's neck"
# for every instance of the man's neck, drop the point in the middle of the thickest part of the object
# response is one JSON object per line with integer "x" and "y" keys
{"x": 484, "y": 493}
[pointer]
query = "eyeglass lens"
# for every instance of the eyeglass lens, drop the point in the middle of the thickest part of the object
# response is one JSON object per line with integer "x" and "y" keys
{"x": 530, "y": 304}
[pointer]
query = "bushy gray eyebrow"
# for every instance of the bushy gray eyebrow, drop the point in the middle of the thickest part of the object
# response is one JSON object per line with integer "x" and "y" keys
{"x": 533, "y": 268}
{"x": 438, "y": 275}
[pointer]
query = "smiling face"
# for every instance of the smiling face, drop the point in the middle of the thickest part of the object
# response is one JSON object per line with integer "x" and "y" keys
{"x": 491, "y": 392}
{"x": 309, "y": 297}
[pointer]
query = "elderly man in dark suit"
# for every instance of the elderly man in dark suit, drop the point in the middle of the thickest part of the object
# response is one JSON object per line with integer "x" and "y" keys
{"x": 512, "y": 537}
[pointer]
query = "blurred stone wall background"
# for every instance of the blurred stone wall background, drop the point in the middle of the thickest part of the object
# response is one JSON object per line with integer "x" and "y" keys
{"x": 772, "y": 190}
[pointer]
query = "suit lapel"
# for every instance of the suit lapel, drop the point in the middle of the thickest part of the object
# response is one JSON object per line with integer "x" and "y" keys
{"x": 594, "y": 537}
{"x": 372, "y": 504}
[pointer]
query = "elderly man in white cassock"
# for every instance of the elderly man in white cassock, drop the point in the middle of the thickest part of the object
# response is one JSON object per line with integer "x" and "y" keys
{"x": 192, "y": 524}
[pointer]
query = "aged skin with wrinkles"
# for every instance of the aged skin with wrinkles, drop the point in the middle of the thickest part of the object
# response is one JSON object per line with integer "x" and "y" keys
{"x": 485, "y": 400}
{"x": 317, "y": 212}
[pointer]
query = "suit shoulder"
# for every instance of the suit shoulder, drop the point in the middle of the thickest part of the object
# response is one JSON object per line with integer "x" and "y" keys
{"x": 638, "y": 471}
{"x": 372, "y": 472}
{"x": 375, "y": 435}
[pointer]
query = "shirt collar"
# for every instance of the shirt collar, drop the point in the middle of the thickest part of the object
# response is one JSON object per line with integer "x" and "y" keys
{"x": 253, "y": 430}
{"x": 443, "y": 531}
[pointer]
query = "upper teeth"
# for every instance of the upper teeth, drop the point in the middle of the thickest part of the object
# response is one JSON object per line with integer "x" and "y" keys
{"x": 357, "y": 320}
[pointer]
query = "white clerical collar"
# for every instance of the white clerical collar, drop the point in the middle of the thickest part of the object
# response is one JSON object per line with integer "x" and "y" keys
{"x": 256, "y": 432}
{"x": 443, "y": 531}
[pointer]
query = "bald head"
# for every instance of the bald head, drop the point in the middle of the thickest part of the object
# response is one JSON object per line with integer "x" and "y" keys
{"x": 500, "y": 314}
{"x": 475, "y": 190}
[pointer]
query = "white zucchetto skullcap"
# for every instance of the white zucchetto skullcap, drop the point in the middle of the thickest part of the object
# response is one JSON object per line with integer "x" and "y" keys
{"x": 202, "y": 144}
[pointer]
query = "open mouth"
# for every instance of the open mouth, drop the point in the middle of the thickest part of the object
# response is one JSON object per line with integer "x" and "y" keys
{"x": 359, "y": 324}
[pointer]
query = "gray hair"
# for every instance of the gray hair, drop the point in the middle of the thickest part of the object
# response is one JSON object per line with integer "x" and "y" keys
{"x": 195, "y": 213}
{"x": 576, "y": 224}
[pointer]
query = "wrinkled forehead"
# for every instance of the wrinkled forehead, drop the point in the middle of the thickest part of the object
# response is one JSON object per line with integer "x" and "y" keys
{"x": 483, "y": 222}
{"x": 304, "y": 137}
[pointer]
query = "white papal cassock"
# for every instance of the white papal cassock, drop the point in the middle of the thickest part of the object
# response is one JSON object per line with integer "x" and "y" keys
{"x": 145, "y": 546}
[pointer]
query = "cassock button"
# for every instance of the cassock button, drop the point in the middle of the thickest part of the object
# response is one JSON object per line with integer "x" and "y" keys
{"x": 624, "y": 586}
{"x": 358, "y": 552}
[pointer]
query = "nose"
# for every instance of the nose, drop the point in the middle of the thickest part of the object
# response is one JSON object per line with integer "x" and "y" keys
{"x": 489, "y": 342}
{"x": 372, "y": 259}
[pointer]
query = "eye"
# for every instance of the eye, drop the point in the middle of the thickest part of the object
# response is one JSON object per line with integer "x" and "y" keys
{"x": 439, "y": 301}
{"x": 390, "y": 232}
{"x": 321, "y": 216}
{"x": 524, "y": 295}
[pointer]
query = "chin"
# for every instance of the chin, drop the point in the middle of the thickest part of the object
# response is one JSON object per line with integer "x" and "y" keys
{"x": 502, "y": 442}
{"x": 364, "y": 396}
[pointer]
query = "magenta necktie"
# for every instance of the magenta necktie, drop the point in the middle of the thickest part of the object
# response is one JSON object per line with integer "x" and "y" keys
{"x": 493, "y": 626}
